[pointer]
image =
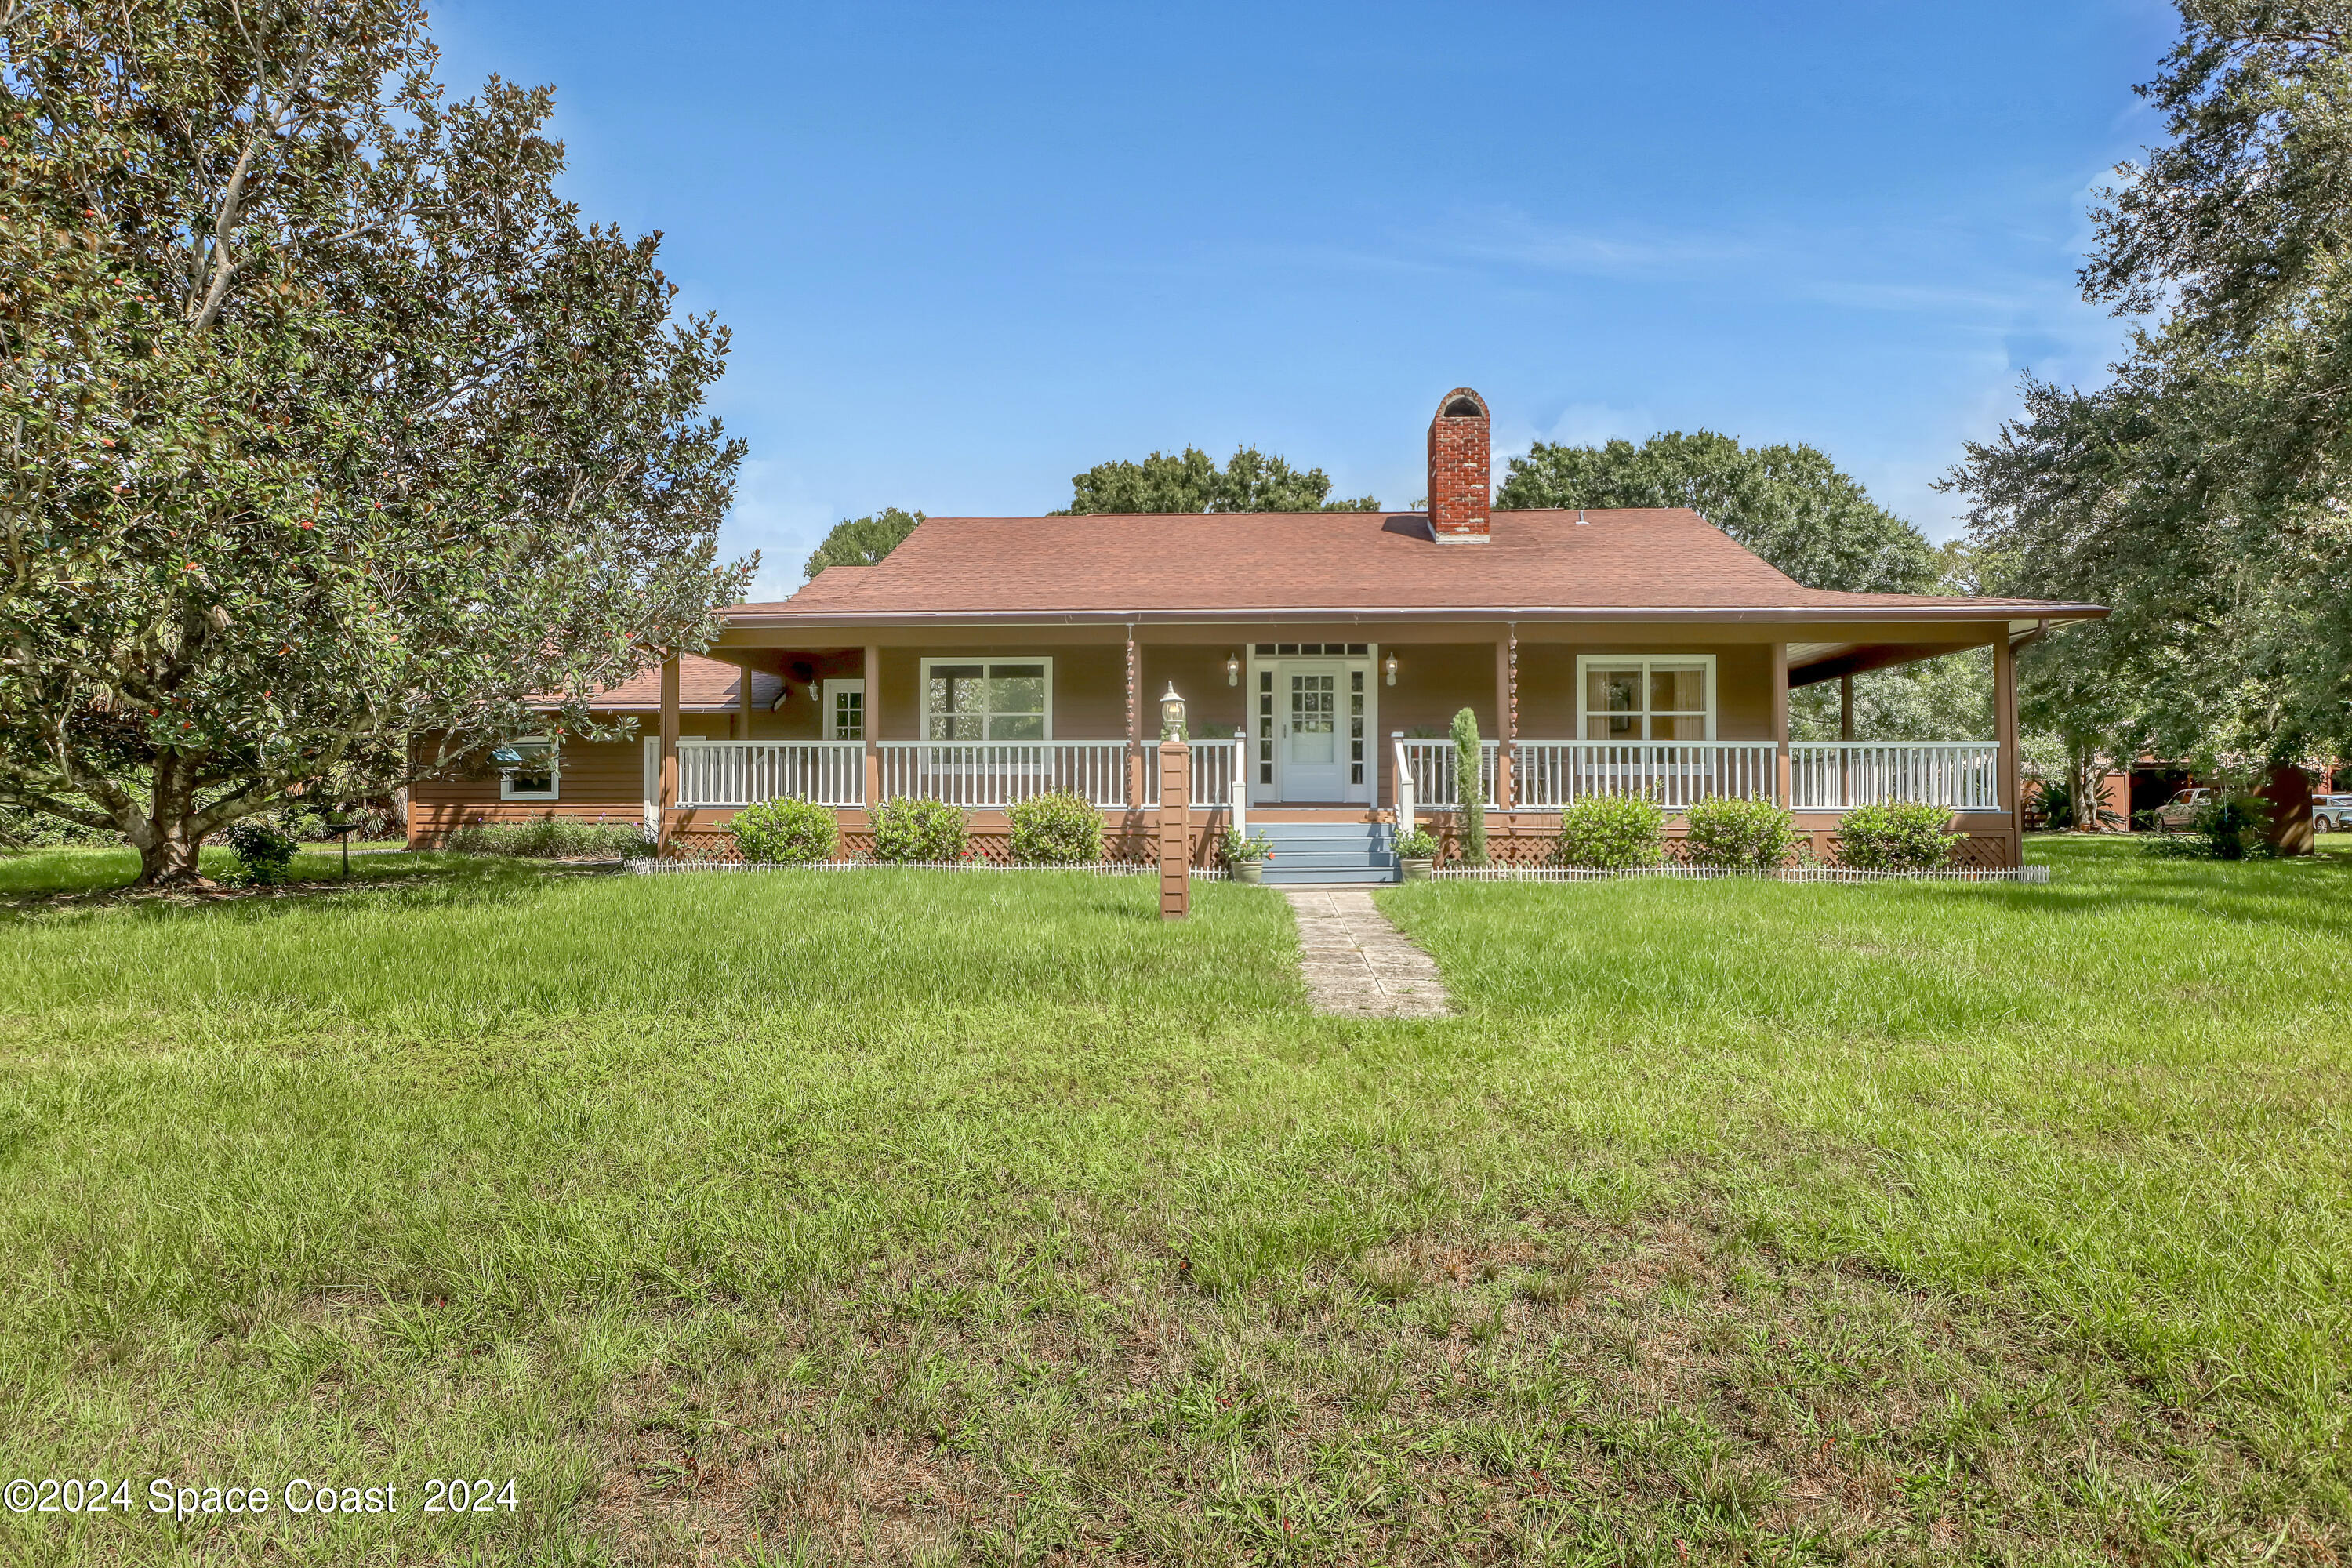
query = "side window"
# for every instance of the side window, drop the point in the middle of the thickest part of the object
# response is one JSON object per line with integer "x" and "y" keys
{"x": 845, "y": 709}
{"x": 527, "y": 769}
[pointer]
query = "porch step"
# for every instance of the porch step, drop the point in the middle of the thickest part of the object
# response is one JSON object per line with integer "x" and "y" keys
{"x": 1330, "y": 851}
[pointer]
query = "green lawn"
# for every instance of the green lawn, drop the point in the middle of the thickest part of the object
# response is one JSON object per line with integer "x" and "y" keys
{"x": 933, "y": 1218}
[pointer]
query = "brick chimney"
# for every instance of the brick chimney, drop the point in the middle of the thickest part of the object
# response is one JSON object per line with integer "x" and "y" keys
{"x": 1459, "y": 468}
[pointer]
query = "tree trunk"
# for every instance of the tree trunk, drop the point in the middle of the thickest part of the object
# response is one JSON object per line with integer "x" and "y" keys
{"x": 170, "y": 861}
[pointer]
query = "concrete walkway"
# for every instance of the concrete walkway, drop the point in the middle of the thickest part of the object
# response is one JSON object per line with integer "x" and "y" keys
{"x": 1359, "y": 965}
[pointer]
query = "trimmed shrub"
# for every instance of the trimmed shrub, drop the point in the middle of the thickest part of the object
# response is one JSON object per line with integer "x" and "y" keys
{"x": 1056, "y": 829}
{"x": 1612, "y": 833}
{"x": 1470, "y": 786}
{"x": 906, "y": 827}
{"x": 1742, "y": 834}
{"x": 549, "y": 838}
{"x": 2230, "y": 826}
{"x": 784, "y": 832}
{"x": 1420, "y": 844}
{"x": 1905, "y": 837}
{"x": 263, "y": 851}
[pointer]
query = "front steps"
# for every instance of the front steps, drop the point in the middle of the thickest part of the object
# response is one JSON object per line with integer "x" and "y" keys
{"x": 1307, "y": 852}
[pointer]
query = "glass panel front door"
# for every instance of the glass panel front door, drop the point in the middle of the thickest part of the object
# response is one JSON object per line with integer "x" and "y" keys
{"x": 1313, "y": 760}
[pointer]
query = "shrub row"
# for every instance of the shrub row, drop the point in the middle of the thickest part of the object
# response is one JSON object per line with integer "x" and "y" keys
{"x": 1058, "y": 829}
{"x": 1623, "y": 833}
{"x": 549, "y": 838}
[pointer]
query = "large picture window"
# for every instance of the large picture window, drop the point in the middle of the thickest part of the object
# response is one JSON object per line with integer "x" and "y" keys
{"x": 1663, "y": 698}
{"x": 988, "y": 700}
{"x": 527, "y": 769}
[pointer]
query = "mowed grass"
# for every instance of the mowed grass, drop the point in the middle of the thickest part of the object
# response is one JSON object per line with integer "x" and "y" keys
{"x": 936, "y": 1218}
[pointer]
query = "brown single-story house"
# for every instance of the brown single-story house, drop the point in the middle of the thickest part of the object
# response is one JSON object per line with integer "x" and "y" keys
{"x": 1321, "y": 656}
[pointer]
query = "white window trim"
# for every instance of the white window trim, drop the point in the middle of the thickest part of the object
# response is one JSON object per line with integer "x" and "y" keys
{"x": 1623, "y": 660}
{"x": 923, "y": 694}
{"x": 507, "y": 790}
{"x": 824, "y": 719}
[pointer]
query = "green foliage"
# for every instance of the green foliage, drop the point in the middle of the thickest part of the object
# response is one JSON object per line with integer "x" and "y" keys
{"x": 1062, "y": 829}
{"x": 40, "y": 830}
{"x": 265, "y": 852}
{"x": 1896, "y": 838}
{"x": 547, "y": 838}
{"x": 2229, "y": 824}
{"x": 1236, "y": 849}
{"x": 1470, "y": 785}
{"x": 1420, "y": 844}
{"x": 1192, "y": 482}
{"x": 863, "y": 541}
{"x": 2197, "y": 492}
{"x": 1790, "y": 504}
{"x": 1742, "y": 835}
{"x": 1946, "y": 699}
{"x": 784, "y": 832}
{"x": 340, "y": 449}
{"x": 1611, "y": 833}
{"x": 912, "y": 828}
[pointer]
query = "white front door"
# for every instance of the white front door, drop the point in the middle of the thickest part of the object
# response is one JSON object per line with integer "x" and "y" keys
{"x": 1313, "y": 702}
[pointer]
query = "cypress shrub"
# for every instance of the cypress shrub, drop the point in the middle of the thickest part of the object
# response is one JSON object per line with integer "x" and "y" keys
{"x": 1470, "y": 786}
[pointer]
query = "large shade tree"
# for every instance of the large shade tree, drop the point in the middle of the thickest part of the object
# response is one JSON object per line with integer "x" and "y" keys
{"x": 338, "y": 449}
{"x": 1191, "y": 480}
{"x": 2202, "y": 490}
{"x": 863, "y": 541}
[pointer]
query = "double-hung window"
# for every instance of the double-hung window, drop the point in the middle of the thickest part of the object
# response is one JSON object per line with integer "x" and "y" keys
{"x": 988, "y": 700}
{"x": 1630, "y": 699}
{"x": 527, "y": 769}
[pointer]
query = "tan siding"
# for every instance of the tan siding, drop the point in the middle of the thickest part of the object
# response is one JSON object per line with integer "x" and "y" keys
{"x": 1435, "y": 680}
{"x": 1212, "y": 709}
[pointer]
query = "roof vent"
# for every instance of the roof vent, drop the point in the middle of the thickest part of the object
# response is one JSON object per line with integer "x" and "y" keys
{"x": 1460, "y": 469}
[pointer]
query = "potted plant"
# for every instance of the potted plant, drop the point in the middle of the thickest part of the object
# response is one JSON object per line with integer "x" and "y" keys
{"x": 1246, "y": 858}
{"x": 1417, "y": 852}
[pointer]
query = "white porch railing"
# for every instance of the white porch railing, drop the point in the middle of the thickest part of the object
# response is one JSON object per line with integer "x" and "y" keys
{"x": 982, "y": 775}
{"x": 738, "y": 773}
{"x": 1549, "y": 775}
{"x": 1428, "y": 767}
{"x": 1831, "y": 775}
{"x": 1212, "y": 771}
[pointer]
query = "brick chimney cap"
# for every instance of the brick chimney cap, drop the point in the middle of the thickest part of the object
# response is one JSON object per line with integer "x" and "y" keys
{"x": 1462, "y": 402}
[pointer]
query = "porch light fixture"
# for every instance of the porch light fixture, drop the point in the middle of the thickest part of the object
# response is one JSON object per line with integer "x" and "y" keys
{"x": 1389, "y": 664}
{"x": 1232, "y": 669}
{"x": 1171, "y": 715}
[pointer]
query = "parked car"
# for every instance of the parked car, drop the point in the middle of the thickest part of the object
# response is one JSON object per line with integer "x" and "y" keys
{"x": 2180, "y": 811}
{"x": 2331, "y": 813}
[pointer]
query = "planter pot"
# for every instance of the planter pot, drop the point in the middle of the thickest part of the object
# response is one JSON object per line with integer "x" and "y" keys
{"x": 1250, "y": 871}
{"x": 1418, "y": 870}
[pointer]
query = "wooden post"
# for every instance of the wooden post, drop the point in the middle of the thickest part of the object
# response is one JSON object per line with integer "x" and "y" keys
{"x": 872, "y": 719}
{"x": 1784, "y": 794}
{"x": 2008, "y": 773}
{"x": 1175, "y": 830}
{"x": 667, "y": 800}
{"x": 1846, "y": 707}
{"x": 743, "y": 700}
{"x": 1134, "y": 730}
{"x": 1507, "y": 714}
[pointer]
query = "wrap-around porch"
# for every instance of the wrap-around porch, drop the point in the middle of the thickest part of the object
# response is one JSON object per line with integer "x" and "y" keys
{"x": 1286, "y": 725}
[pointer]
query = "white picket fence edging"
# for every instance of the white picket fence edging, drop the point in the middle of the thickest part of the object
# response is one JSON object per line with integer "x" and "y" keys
{"x": 2032, "y": 875}
{"x": 646, "y": 866}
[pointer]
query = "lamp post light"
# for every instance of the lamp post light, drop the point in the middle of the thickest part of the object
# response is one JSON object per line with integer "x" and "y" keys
{"x": 1171, "y": 715}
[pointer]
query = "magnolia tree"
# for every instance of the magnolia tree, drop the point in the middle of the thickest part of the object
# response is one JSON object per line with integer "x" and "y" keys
{"x": 338, "y": 449}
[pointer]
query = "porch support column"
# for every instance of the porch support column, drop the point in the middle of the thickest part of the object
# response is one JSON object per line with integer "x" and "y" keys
{"x": 743, "y": 700}
{"x": 666, "y": 801}
{"x": 1846, "y": 707}
{"x": 1506, "y": 712}
{"x": 1782, "y": 792}
{"x": 873, "y": 674}
{"x": 1134, "y": 729}
{"x": 2004, "y": 722}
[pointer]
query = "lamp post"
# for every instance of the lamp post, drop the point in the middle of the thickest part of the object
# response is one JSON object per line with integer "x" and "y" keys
{"x": 343, "y": 830}
{"x": 1175, "y": 810}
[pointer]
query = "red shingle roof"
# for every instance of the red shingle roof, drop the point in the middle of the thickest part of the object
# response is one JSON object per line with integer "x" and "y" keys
{"x": 1238, "y": 563}
{"x": 704, "y": 686}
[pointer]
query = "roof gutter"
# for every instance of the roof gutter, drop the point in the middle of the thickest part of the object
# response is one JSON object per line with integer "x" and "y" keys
{"x": 1760, "y": 614}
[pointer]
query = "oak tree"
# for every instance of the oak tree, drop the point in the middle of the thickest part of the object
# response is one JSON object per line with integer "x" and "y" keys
{"x": 1191, "y": 480}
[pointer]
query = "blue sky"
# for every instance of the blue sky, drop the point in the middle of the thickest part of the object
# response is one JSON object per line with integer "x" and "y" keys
{"x": 968, "y": 251}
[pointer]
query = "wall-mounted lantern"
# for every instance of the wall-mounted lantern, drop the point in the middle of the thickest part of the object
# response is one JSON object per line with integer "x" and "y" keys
{"x": 1388, "y": 664}
{"x": 1232, "y": 669}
